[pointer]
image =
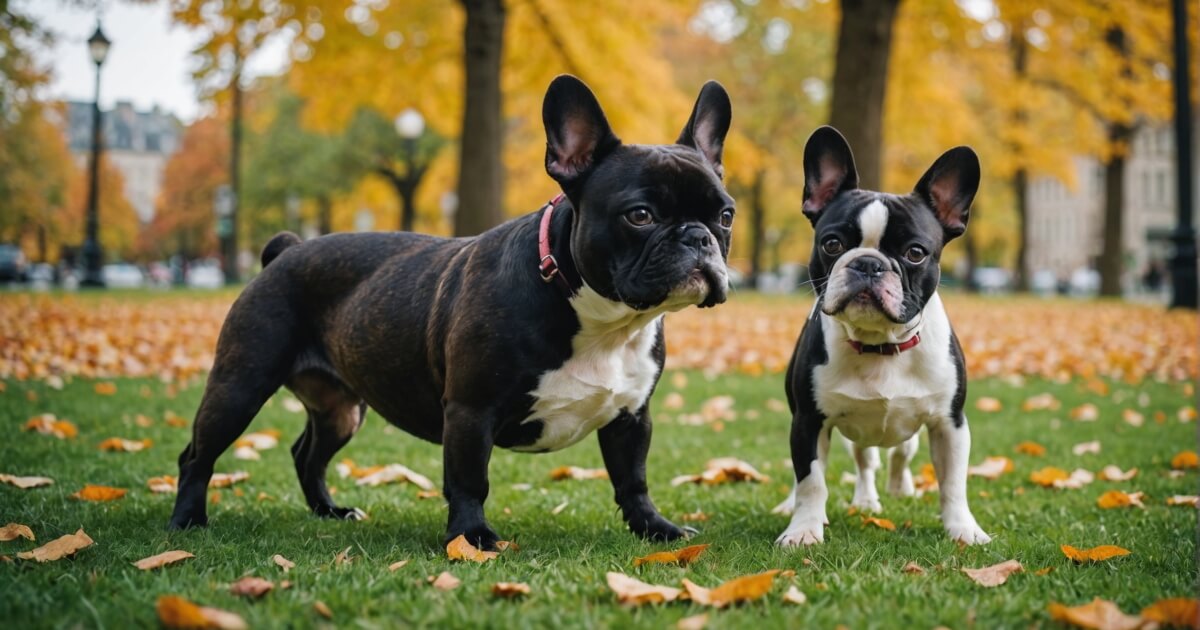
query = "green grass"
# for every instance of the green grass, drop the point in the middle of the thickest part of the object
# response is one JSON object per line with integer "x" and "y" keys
{"x": 853, "y": 579}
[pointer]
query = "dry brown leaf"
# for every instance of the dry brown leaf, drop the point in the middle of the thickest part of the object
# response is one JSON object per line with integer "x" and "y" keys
{"x": 1184, "y": 499}
{"x": 444, "y": 581}
{"x": 1099, "y": 614}
{"x": 322, "y": 609}
{"x": 396, "y": 473}
{"x": 461, "y": 549}
{"x": 575, "y": 472}
{"x": 634, "y": 592}
{"x": 510, "y": 589}
{"x": 1048, "y": 475}
{"x": 428, "y": 494}
{"x": 723, "y": 470}
{"x": 1116, "y": 498}
{"x": 283, "y": 563}
{"x": 105, "y": 389}
{"x": 1114, "y": 473}
{"x": 1185, "y": 460}
{"x": 1043, "y": 571}
{"x": 1095, "y": 554}
{"x": 505, "y": 545}
{"x": 694, "y": 622}
{"x": 178, "y": 613}
{"x": 259, "y": 440}
{"x": 1176, "y": 612}
{"x": 683, "y": 557}
{"x": 26, "y": 483}
{"x": 245, "y": 453}
{"x": 99, "y": 493}
{"x": 913, "y": 568}
{"x": 988, "y": 404}
{"x": 742, "y": 589}
{"x": 12, "y": 531}
{"x": 224, "y": 480}
{"x": 673, "y": 402}
{"x": 396, "y": 566}
{"x": 881, "y": 523}
{"x": 694, "y": 517}
{"x": 991, "y": 468}
{"x": 48, "y": 424}
{"x": 165, "y": 484}
{"x": 1086, "y": 447}
{"x": 1086, "y": 412}
{"x": 1133, "y": 418}
{"x": 343, "y": 557}
{"x": 121, "y": 445}
{"x": 60, "y": 547}
{"x": 253, "y": 587}
{"x": 162, "y": 559}
{"x": 994, "y": 575}
{"x": 794, "y": 596}
{"x": 1187, "y": 414}
{"x": 1040, "y": 402}
{"x": 1031, "y": 448}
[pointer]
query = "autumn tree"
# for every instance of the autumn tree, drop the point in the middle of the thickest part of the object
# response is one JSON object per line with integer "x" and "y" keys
{"x": 184, "y": 222}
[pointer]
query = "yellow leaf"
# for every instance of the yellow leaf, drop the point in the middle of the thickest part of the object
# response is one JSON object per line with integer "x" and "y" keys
{"x": 634, "y": 592}
{"x": 988, "y": 404}
{"x": 881, "y": 523}
{"x": 105, "y": 389}
{"x": 460, "y": 549}
{"x": 99, "y": 493}
{"x": 122, "y": 445}
{"x": 58, "y": 548}
{"x": 1177, "y": 612}
{"x": 162, "y": 559}
{"x": 396, "y": 566}
{"x": 1185, "y": 459}
{"x": 510, "y": 589}
{"x": 1048, "y": 475}
{"x": 14, "y": 530}
{"x": 742, "y": 589}
{"x": 1099, "y": 614}
{"x": 575, "y": 472}
{"x": 177, "y": 612}
{"x": 994, "y": 575}
{"x": 681, "y": 556}
{"x": 1031, "y": 448}
{"x": 1116, "y": 499}
{"x": 47, "y": 424}
{"x": 1095, "y": 554}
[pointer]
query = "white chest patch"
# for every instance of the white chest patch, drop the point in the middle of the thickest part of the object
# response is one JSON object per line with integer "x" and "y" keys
{"x": 611, "y": 369}
{"x": 879, "y": 400}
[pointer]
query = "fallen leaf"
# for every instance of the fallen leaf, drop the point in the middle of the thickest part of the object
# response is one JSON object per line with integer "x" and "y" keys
{"x": 1186, "y": 414}
{"x": 695, "y": 517}
{"x": 246, "y": 453}
{"x": 1176, "y": 612}
{"x": 1077, "y": 479}
{"x": 881, "y": 523}
{"x": 683, "y": 557}
{"x": 994, "y": 575}
{"x": 105, "y": 389}
{"x": 1116, "y": 498}
{"x": 1031, "y": 448}
{"x": 1043, "y": 571}
{"x": 794, "y": 596}
{"x": 694, "y": 622}
{"x": 1086, "y": 412}
{"x": 1095, "y": 554}
{"x": 926, "y": 480}
{"x": 343, "y": 557}
{"x": 1133, "y": 418}
{"x": 26, "y": 483}
{"x": 991, "y": 468}
{"x": 293, "y": 405}
{"x": 121, "y": 445}
{"x": 60, "y": 547}
{"x": 1059, "y": 478}
{"x": 173, "y": 420}
{"x": 742, "y": 589}
{"x": 165, "y": 484}
{"x": 162, "y": 559}
{"x": 177, "y": 612}
{"x": 444, "y": 581}
{"x": 575, "y": 472}
{"x": 322, "y": 609}
{"x": 913, "y": 568}
{"x": 99, "y": 493}
{"x": 1040, "y": 402}
{"x": 396, "y": 473}
{"x": 1184, "y": 499}
{"x": 48, "y": 424}
{"x": 461, "y": 549}
{"x": 723, "y": 470}
{"x": 428, "y": 494}
{"x": 988, "y": 404}
{"x": 1113, "y": 473}
{"x": 1086, "y": 447}
{"x": 283, "y": 563}
{"x": 1099, "y": 614}
{"x": 12, "y": 531}
{"x": 1185, "y": 459}
{"x": 259, "y": 440}
{"x": 224, "y": 480}
{"x": 505, "y": 545}
{"x": 673, "y": 402}
{"x": 634, "y": 592}
{"x": 253, "y": 587}
{"x": 396, "y": 566}
{"x": 510, "y": 589}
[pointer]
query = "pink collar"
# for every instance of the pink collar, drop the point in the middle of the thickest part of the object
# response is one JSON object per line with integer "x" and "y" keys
{"x": 547, "y": 264}
{"x": 889, "y": 349}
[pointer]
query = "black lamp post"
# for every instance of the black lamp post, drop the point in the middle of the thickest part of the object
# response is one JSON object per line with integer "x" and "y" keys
{"x": 410, "y": 125}
{"x": 1183, "y": 260}
{"x": 92, "y": 254}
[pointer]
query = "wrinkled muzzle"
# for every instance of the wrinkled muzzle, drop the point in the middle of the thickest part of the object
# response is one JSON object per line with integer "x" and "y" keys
{"x": 865, "y": 288}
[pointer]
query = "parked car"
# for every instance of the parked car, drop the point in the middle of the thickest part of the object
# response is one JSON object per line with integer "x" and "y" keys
{"x": 992, "y": 279}
{"x": 12, "y": 264}
{"x": 205, "y": 276}
{"x": 1043, "y": 282}
{"x": 123, "y": 276}
{"x": 1085, "y": 282}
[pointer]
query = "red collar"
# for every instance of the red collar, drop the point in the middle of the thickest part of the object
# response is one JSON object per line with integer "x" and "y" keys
{"x": 886, "y": 348}
{"x": 547, "y": 264}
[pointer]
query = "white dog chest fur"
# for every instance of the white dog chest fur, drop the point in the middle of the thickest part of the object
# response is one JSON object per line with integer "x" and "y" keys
{"x": 611, "y": 369}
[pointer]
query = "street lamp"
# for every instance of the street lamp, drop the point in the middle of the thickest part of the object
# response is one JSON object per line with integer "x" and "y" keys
{"x": 98, "y": 46}
{"x": 1183, "y": 259}
{"x": 410, "y": 125}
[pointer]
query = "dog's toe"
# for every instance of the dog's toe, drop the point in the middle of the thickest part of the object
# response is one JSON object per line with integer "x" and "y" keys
{"x": 802, "y": 535}
{"x": 968, "y": 534}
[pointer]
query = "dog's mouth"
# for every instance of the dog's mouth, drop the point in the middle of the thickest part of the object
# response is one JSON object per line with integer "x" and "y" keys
{"x": 704, "y": 286}
{"x": 862, "y": 300}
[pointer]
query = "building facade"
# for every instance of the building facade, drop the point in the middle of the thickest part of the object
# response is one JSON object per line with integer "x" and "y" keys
{"x": 137, "y": 143}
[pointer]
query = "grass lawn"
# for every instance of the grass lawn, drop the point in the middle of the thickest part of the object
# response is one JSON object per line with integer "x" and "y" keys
{"x": 855, "y": 578}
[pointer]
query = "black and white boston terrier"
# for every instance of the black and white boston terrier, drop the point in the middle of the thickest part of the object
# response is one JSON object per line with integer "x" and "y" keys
{"x": 877, "y": 359}
{"x": 529, "y": 336}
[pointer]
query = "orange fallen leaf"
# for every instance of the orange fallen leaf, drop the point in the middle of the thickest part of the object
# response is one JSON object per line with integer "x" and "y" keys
{"x": 723, "y": 470}
{"x": 794, "y": 596}
{"x": 48, "y": 424}
{"x": 1185, "y": 459}
{"x": 1095, "y": 554}
{"x": 444, "y": 581}
{"x": 673, "y": 402}
{"x": 253, "y": 587}
{"x": 105, "y": 389}
{"x": 99, "y": 493}
{"x": 881, "y": 523}
{"x": 177, "y": 612}
{"x": 162, "y": 559}
{"x": 224, "y": 480}
{"x": 742, "y": 589}
{"x": 1133, "y": 418}
{"x": 1086, "y": 412}
{"x": 1176, "y": 612}
{"x": 1099, "y": 614}
{"x": 694, "y": 517}
{"x": 343, "y": 557}
{"x": 1184, "y": 499}
{"x": 634, "y": 592}
{"x": 1031, "y": 448}
{"x": 1186, "y": 414}
{"x": 1048, "y": 475}
{"x": 60, "y": 547}
{"x": 173, "y": 420}
{"x": 283, "y": 563}
{"x": 12, "y": 531}
{"x": 25, "y": 483}
{"x": 1086, "y": 447}
{"x": 913, "y": 568}
{"x": 1113, "y": 473}
{"x": 165, "y": 484}
{"x": 575, "y": 472}
{"x": 460, "y": 549}
{"x": 988, "y": 404}
{"x": 680, "y": 556}
{"x": 510, "y": 589}
{"x": 1044, "y": 401}
{"x": 1116, "y": 498}
{"x": 991, "y": 468}
{"x": 505, "y": 545}
{"x": 694, "y": 622}
{"x": 121, "y": 445}
{"x": 246, "y": 453}
{"x": 926, "y": 479}
{"x": 322, "y": 609}
{"x": 396, "y": 473}
{"x": 396, "y": 566}
{"x": 1043, "y": 571}
{"x": 259, "y": 440}
{"x": 994, "y": 575}
{"x": 428, "y": 494}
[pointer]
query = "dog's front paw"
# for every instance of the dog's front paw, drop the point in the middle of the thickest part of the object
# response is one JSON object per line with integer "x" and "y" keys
{"x": 802, "y": 534}
{"x": 481, "y": 536}
{"x": 341, "y": 513}
{"x": 655, "y": 527}
{"x": 967, "y": 532}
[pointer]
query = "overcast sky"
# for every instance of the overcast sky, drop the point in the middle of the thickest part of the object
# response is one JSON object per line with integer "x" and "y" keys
{"x": 149, "y": 62}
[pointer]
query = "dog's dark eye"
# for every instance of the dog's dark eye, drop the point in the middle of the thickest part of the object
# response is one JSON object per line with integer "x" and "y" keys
{"x": 916, "y": 254}
{"x": 727, "y": 219}
{"x": 639, "y": 217}
{"x": 832, "y": 246}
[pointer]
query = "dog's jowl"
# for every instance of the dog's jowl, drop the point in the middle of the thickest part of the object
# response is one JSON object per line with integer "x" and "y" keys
{"x": 528, "y": 337}
{"x": 877, "y": 359}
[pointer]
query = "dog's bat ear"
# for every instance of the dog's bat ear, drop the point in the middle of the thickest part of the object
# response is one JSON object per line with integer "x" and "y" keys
{"x": 577, "y": 133}
{"x": 828, "y": 170}
{"x": 705, "y": 130}
{"x": 949, "y": 187}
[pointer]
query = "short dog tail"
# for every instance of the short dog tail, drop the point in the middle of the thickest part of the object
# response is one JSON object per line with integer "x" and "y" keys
{"x": 277, "y": 244}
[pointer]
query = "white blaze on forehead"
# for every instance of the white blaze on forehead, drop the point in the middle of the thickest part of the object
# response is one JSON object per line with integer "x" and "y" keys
{"x": 873, "y": 222}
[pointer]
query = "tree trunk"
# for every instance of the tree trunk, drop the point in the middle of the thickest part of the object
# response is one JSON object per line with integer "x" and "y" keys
{"x": 1112, "y": 257}
{"x": 758, "y": 221}
{"x": 481, "y": 172}
{"x": 1021, "y": 192}
{"x": 230, "y": 250}
{"x": 324, "y": 214}
{"x": 860, "y": 82}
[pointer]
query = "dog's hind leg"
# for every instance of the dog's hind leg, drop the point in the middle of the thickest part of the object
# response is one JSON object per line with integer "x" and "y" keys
{"x": 900, "y": 480}
{"x": 334, "y": 416}
{"x": 866, "y": 496}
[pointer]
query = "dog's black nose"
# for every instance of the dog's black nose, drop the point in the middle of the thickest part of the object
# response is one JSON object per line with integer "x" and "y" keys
{"x": 695, "y": 236}
{"x": 869, "y": 266}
